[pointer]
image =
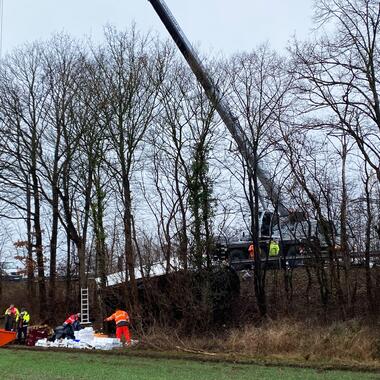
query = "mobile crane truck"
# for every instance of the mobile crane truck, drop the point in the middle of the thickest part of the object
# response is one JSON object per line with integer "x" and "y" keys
{"x": 292, "y": 227}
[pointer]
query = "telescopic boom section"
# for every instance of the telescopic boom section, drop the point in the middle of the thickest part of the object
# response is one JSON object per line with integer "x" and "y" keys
{"x": 220, "y": 104}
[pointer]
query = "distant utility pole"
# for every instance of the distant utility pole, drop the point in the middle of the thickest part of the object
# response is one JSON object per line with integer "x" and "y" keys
{"x": 1, "y": 26}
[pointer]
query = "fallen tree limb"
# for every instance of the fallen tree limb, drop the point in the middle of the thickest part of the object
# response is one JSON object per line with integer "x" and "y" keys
{"x": 195, "y": 351}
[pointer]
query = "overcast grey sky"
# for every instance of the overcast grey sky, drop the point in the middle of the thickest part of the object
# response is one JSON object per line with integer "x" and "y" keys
{"x": 224, "y": 26}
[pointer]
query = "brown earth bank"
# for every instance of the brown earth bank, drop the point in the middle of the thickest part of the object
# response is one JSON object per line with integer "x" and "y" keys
{"x": 177, "y": 300}
{"x": 297, "y": 325}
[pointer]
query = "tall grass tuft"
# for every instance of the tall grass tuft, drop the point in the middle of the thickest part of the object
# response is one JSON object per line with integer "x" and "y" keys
{"x": 351, "y": 341}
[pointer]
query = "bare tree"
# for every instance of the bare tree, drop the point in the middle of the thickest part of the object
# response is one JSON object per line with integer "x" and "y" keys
{"x": 128, "y": 77}
{"x": 337, "y": 80}
{"x": 260, "y": 86}
{"x": 23, "y": 99}
{"x": 61, "y": 64}
{"x": 339, "y": 73}
{"x": 368, "y": 191}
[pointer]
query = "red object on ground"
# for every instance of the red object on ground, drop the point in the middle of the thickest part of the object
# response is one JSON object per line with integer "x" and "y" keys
{"x": 6, "y": 337}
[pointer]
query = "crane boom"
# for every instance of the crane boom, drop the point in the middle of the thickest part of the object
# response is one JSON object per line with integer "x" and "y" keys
{"x": 219, "y": 102}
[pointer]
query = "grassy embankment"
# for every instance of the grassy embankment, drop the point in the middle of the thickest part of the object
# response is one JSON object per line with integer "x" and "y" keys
{"x": 30, "y": 365}
{"x": 345, "y": 344}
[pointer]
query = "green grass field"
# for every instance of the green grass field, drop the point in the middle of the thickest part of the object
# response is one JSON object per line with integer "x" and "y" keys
{"x": 25, "y": 365}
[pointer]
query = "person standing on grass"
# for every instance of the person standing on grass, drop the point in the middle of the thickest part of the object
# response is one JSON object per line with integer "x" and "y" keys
{"x": 121, "y": 319}
{"x": 22, "y": 321}
{"x": 11, "y": 315}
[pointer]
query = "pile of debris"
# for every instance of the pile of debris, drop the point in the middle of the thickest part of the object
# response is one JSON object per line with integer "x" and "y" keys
{"x": 84, "y": 339}
{"x": 36, "y": 333}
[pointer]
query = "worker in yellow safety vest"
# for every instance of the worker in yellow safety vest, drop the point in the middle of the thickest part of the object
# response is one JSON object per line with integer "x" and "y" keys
{"x": 274, "y": 248}
{"x": 22, "y": 321}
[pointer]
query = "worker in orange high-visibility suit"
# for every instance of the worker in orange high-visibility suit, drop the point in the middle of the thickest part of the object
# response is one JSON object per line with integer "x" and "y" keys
{"x": 251, "y": 251}
{"x": 121, "y": 319}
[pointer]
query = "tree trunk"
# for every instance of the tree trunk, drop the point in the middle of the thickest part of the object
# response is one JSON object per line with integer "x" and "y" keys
{"x": 255, "y": 231}
{"x": 343, "y": 227}
{"x": 30, "y": 259}
{"x": 38, "y": 246}
{"x": 68, "y": 272}
{"x": 128, "y": 250}
{"x": 53, "y": 253}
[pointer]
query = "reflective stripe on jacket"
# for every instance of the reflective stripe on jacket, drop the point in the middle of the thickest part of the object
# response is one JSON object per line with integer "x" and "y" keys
{"x": 120, "y": 317}
{"x": 274, "y": 249}
{"x": 25, "y": 317}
